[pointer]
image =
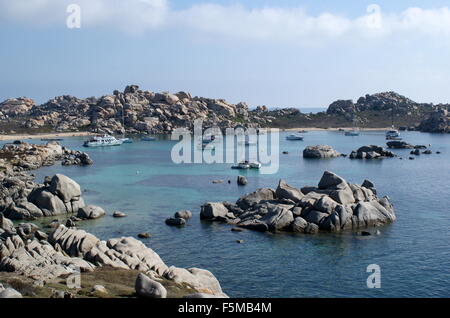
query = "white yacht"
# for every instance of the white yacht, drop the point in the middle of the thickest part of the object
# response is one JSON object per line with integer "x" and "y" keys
{"x": 103, "y": 141}
{"x": 294, "y": 137}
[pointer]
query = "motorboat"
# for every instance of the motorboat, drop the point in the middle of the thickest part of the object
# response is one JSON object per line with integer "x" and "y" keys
{"x": 294, "y": 137}
{"x": 102, "y": 141}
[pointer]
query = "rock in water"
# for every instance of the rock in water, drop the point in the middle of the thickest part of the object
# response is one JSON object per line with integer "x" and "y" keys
{"x": 176, "y": 221}
{"x": 118, "y": 214}
{"x": 320, "y": 152}
{"x": 185, "y": 214}
{"x": 397, "y": 144}
{"x": 90, "y": 212}
{"x": 148, "y": 288}
{"x": 333, "y": 206}
{"x": 211, "y": 211}
{"x": 242, "y": 181}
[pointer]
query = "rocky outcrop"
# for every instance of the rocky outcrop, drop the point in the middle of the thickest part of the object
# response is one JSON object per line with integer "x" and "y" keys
{"x": 59, "y": 195}
{"x": 377, "y": 102}
{"x": 334, "y": 205}
{"x": 320, "y": 152}
{"x": 371, "y": 152}
{"x": 133, "y": 111}
{"x": 396, "y": 144}
{"x": 21, "y": 197}
{"x": 69, "y": 251}
{"x": 438, "y": 122}
{"x": 16, "y": 106}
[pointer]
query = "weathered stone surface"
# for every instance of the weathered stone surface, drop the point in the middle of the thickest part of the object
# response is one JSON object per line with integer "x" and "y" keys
{"x": 90, "y": 212}
{"x": 211, "y": 211}
{"x": 256, "y": 197}
{"x": 148, "y": 288}
{"x": 285, "y": 191}
{"x": 65, "y": 188}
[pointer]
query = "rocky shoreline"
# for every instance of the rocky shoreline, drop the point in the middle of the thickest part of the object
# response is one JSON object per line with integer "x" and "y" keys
{"x": 44, "y": 256}
{"x": 333, "y": 206}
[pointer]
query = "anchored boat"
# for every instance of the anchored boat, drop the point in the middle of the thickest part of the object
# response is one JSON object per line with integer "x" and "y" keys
{"x": 103, "y": 141}
{"x": 244, "y": 165}
{"x": 294, "y": 137}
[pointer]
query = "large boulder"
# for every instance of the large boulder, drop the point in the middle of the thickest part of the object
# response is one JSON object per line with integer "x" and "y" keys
{"x": 49, "y": 203}
{"x": 278, "y": 218}
{"x": 331, "y": 180}
{"x": 256, "y": 197}
{"x": 148, "y": 288}
{"x": 285, "y": 191}
{"x": 320, "y": 151}
{"x": 213, "y": 210}
{"x": 65, "y": 188}
{"x": 90, "y": 212}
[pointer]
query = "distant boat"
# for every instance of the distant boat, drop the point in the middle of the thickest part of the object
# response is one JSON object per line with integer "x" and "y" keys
{"x": 244, "y": 165}
{"x": 126, "y": 140}
{"x": 352, "y": 133}
{"x": 208, "y": 139}
{"x": 294, "y": 137}
{"x": 148, "y": 138}
{"x": 102, "y": 141}
{"x": 392, "y": 134}
{"x": 302, "y": 131}
{"x": 52, "y": 139}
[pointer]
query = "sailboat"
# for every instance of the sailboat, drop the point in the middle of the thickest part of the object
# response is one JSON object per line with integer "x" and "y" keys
{"x": 393, "y": 134}
{"x": 354, "y": 131}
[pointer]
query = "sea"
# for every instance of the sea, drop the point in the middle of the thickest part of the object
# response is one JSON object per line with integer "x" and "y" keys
{"x": 412, "y": 254}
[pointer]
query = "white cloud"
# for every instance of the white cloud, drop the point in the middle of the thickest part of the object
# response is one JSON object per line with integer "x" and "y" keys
{"x": 233, "y": 21}
{"x": 132, "y": 16}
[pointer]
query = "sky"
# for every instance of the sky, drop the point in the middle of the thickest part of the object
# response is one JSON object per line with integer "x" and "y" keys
{"x": 278, "y": 53}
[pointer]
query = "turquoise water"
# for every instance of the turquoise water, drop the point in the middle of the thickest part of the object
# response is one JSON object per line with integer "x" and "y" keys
{"x": 413, "y": 252}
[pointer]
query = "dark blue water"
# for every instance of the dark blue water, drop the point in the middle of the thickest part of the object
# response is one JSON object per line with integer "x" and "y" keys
{"x": 413, "y": 252}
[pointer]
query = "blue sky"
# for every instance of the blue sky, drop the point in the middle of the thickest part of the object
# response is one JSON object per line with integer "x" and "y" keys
{"x": 282, "y": 53}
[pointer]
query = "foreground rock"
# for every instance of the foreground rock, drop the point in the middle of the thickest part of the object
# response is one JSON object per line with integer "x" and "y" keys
{"x": 69, "y": 250}
{"x": 320, "y": 152}
{"x": 371, "y": 152}
{"x": 148, "y": 288}
{"x": 334, "y": 205}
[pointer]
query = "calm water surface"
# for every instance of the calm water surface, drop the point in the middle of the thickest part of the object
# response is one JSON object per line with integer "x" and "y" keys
{"x": 413, "y": 253}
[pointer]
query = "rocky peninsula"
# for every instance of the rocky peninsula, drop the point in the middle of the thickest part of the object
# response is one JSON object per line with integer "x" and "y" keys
{"x": 44, "y": 257}
{"x": 334, "y": 205}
